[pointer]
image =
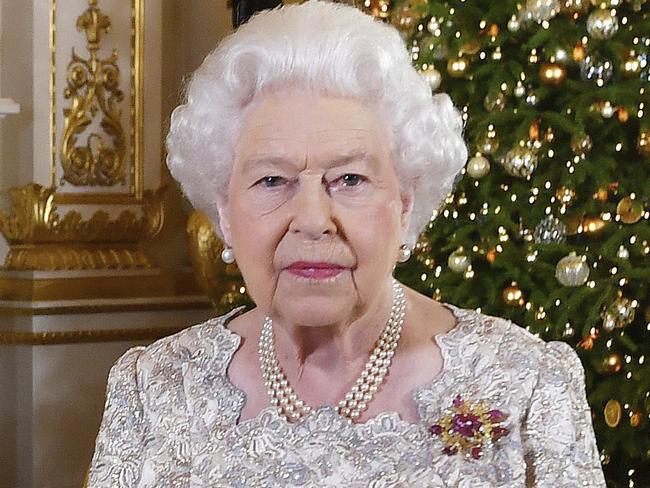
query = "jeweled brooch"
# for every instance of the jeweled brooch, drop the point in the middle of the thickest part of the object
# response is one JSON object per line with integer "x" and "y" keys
{"x": 469, "y": 428}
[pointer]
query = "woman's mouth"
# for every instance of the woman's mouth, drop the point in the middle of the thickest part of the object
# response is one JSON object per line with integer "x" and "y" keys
{"x": 315, "y": 271}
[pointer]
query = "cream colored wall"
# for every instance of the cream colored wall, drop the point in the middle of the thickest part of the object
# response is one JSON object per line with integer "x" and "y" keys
{"x": 51, "y": 397}
{"x": 191, "y": 32}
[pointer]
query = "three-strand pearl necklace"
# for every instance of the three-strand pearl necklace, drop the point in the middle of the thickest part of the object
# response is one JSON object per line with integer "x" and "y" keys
{"x": 283, "y": 396}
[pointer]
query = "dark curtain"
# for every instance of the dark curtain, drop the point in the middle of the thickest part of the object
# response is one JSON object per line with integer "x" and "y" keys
{"x": 243, "y": 9}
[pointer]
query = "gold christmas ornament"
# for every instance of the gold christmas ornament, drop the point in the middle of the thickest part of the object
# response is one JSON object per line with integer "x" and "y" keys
{"x": 593, "y": 224}
{"x": 566, "y": 195}
{"x": 458, "y": 261}
{"x": 520, "y": 161}
{"x": 513, "y": 296}
{"x": 643, "y": 143}
{"x": 613, "y": 413}
{"x": 457, "y": 67}
{"x": 629, "y": 211}
{"x": 552, "y": 74}
{"x": 618, "y": 314}
{"x": 622, "y": 114}
{"x": 432, "y": 76}
{"x": 495, "y": 102}
{"x": 478, "y": 166}
{"x": 541, "y": 10}
{"x": 602, "y": 24}
{"x": 578, "y": 52}
{"x": 405, "y": 17}
{"x": 493, "y": 30}
{"x": 581, "y": 143}
{"x": 572, "y": 270}
{"x": 470, "y": 47}
{"x": 636, "y": 419}
{"x": 602, "y": 195}
{"x": 491, "y": 255}
{"x": 630, "y": 65}
{"x": 488, "y": 142}
{"x": 612, "y": 363}
{"x": 575, "y": 6}
{"x": 533, "y": 131}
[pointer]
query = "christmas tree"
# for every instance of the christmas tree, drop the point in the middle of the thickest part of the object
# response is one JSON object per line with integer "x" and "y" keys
{"x": 548, "y": 225}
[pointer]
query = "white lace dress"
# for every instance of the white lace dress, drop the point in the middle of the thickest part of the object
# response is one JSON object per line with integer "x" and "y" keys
{"x": 172, "y": 420}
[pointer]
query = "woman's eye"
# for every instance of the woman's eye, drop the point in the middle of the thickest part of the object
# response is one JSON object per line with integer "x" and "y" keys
{"x": 352, "y": 179}
{"x": 271, "y": 181}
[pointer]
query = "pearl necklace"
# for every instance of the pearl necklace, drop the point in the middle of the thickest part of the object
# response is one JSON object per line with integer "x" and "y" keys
{"x": 283, "y": 396}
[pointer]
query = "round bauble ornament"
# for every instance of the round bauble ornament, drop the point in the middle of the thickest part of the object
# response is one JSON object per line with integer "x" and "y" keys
{"x": 457, "y": 67}
{"x": 595, "y": 69}
{"x": 541, "y": 10}
{"x": 433, "y": 26}
{"x": 550, "y": 230}
{"x": 514, "y": 24}
{"x": 636, "y": 419}
{"x": 643, "y": 143}
{"x": 513, "y": 296}
{"x": 458, "y": 261}
{"x": 581, "y": 143}
{"x": 618, "y": 314}
{"x": 405, "y": 17}
{"x": 613, "y": 413}
{"x": 593, "y": 225}
{"x": 572, "y": 270}
{"x": 623, "y": 252}
{"x": 432, "y": 76}
{"x": 552, "y": 73}
{"x": 602, "y": 24}
{"x": 630, "y": 65}
{"x": 478, "y": 166}
{"x": 520, "y": 161}
{"x": 488, "y": 142}
{"x": 495, "y": 102}
{"x": 612, "y": 363}
{"x": 629, "y": 210}
{"x": 566, "y": 195}
{"x": 491, "y": 255}
{"x": 622, "y": 114}
{"x": 578, "y": 52}
{"x": 607, "y": 109}
{"x": 519, "y": 90}
{"x": 575, "y": 6}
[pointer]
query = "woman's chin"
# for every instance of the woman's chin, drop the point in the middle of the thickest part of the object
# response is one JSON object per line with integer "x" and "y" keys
{"x": 314, "y": 302}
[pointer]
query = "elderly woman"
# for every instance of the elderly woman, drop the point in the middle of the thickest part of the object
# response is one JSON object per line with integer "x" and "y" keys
{"x": 320, "y": 154}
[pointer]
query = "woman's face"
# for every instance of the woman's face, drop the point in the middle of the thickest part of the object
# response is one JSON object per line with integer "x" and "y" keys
{"x": 314, "y": 212}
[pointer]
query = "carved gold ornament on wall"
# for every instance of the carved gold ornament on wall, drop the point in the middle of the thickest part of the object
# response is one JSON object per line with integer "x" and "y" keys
{"x": 93, "y": 87}
{"x": 41, "y": 239}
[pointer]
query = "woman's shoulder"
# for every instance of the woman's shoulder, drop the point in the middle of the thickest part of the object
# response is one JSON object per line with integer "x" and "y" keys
{"x": 208, "y": 339}
{"x": 510, "y": 344}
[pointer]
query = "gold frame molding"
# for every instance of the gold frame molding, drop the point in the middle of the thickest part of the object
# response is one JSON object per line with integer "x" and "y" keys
{"x": 136, "y": 167}
{"x": 15, "y": 338}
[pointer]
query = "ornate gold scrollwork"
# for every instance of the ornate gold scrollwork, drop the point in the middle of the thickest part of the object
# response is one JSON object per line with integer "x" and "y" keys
{"x": 220, "y": 282}
{"x": 42, "y": 240}
{"x": 93, "y": 86}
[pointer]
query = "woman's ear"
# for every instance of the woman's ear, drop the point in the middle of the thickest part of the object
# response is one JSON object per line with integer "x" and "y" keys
{"x": 408, "y": 198}
{"x": 224, "y": 219}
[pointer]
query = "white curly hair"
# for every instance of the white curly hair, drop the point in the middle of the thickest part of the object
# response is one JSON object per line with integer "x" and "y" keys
{"x": 335, "y": 50}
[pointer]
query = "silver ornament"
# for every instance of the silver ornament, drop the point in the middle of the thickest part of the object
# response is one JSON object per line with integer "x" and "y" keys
{"x": 541, "y": 10}
{"x": 514, "y": 24}
{"x": 572, "y": 270}
{"x": 432, "y": 77}
{"x": 458, "y": 261}
{"x": 520, "y": 89}
{"x": 550, "y": 230}
{"x": 495, "y": 102}
{"x": 520, "y": 161}
{"x": 596, "y": 69}
{"x": 623, "y": 252}
{"x": 478, "y": 166}
{"x": 602, "y": 24}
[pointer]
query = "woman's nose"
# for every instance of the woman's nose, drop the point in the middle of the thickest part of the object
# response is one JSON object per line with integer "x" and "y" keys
{"x": 312, "y": 209}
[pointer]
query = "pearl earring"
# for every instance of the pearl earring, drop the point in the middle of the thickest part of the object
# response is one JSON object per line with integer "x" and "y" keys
{"x": 228, "y": 255}
{"x": 404, "y": 253}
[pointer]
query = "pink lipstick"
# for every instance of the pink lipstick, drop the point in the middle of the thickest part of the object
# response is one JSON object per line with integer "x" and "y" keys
{"x": 312, "y": 270}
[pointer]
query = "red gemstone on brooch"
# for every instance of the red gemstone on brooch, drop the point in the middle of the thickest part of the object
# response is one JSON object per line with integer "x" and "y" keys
{"x": 469, "y": 428}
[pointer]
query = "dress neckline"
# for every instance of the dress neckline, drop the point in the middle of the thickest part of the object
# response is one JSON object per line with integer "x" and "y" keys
{"x": 445, "y": 341}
